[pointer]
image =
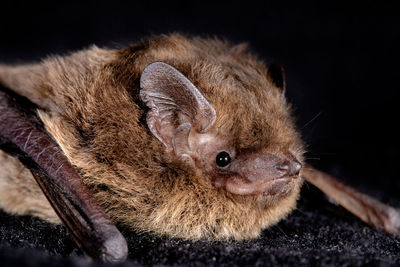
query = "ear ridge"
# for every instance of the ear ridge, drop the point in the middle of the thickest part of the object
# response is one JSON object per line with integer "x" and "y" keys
{"x": 173, "y": 100}
{"x": 180, "y": 140}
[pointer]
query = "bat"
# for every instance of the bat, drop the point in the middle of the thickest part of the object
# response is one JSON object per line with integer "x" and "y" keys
{"x": 175, "y": 136}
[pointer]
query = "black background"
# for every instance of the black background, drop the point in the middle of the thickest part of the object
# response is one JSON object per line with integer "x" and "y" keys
{"x": 341, "y": 62}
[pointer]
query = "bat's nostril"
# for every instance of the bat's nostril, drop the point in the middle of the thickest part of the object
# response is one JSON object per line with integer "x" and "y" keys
{"x": 289, "y": 168}
{"x": 283, "y": 168}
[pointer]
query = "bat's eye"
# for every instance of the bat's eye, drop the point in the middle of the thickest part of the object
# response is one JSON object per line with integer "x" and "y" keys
{"x": 223, "y": 159}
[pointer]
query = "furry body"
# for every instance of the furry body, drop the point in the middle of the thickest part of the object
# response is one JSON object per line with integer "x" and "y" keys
{"x": 89, "y": 102}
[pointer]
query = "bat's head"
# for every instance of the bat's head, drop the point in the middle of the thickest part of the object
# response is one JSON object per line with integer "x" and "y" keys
{"x": 221, "y": 115}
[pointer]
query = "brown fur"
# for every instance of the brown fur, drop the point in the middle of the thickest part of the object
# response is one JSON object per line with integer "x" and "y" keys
{"x": 91, "y": 106}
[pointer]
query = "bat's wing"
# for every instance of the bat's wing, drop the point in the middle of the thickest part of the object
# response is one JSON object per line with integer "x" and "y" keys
{"x": 89, "y": 226}
{"x": 364, "y": 207}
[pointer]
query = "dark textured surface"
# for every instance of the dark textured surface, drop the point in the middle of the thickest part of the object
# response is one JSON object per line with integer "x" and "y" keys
{"x": 341, "y": 61}
{"x": 317, "y": 233}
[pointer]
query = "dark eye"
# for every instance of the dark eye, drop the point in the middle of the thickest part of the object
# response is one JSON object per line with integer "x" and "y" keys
{"x": 223, "y": 159}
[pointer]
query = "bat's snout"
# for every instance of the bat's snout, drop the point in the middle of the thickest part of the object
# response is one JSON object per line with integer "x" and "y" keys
{"x": 260, "y": 174}
{"x": 260, "y": 168}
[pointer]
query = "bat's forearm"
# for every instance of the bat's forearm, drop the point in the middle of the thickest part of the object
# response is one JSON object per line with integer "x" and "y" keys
{"x": 87, "y": 222}
{"x": 365, "y": 207}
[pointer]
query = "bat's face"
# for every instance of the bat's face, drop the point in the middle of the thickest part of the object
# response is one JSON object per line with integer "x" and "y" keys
{"x": 185, "y": 137}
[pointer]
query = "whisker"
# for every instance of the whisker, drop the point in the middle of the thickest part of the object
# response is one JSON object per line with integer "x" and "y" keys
{"x": 280, "y": 229}
{"x": 315, "y": 117}
{"x": 307, "y": 184}
{"x": 302, "y": 212}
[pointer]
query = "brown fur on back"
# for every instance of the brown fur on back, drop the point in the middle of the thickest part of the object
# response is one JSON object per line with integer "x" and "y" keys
{"x": 91, "y": 107}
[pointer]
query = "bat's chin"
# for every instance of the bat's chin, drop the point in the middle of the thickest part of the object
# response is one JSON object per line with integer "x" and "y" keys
{"x": 270, "y": 187}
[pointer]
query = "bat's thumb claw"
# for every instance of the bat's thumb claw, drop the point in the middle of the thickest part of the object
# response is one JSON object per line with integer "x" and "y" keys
{"x": 115, "y": 248}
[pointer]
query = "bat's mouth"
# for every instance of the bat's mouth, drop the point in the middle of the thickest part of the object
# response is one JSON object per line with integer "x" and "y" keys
{"x": 236, "y": 184}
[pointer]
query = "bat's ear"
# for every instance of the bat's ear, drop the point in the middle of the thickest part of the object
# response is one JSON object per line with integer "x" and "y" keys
{"x": 276, "y": 74}
{"x": 176, "y": 106}
{"x": 25, "y": 80}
